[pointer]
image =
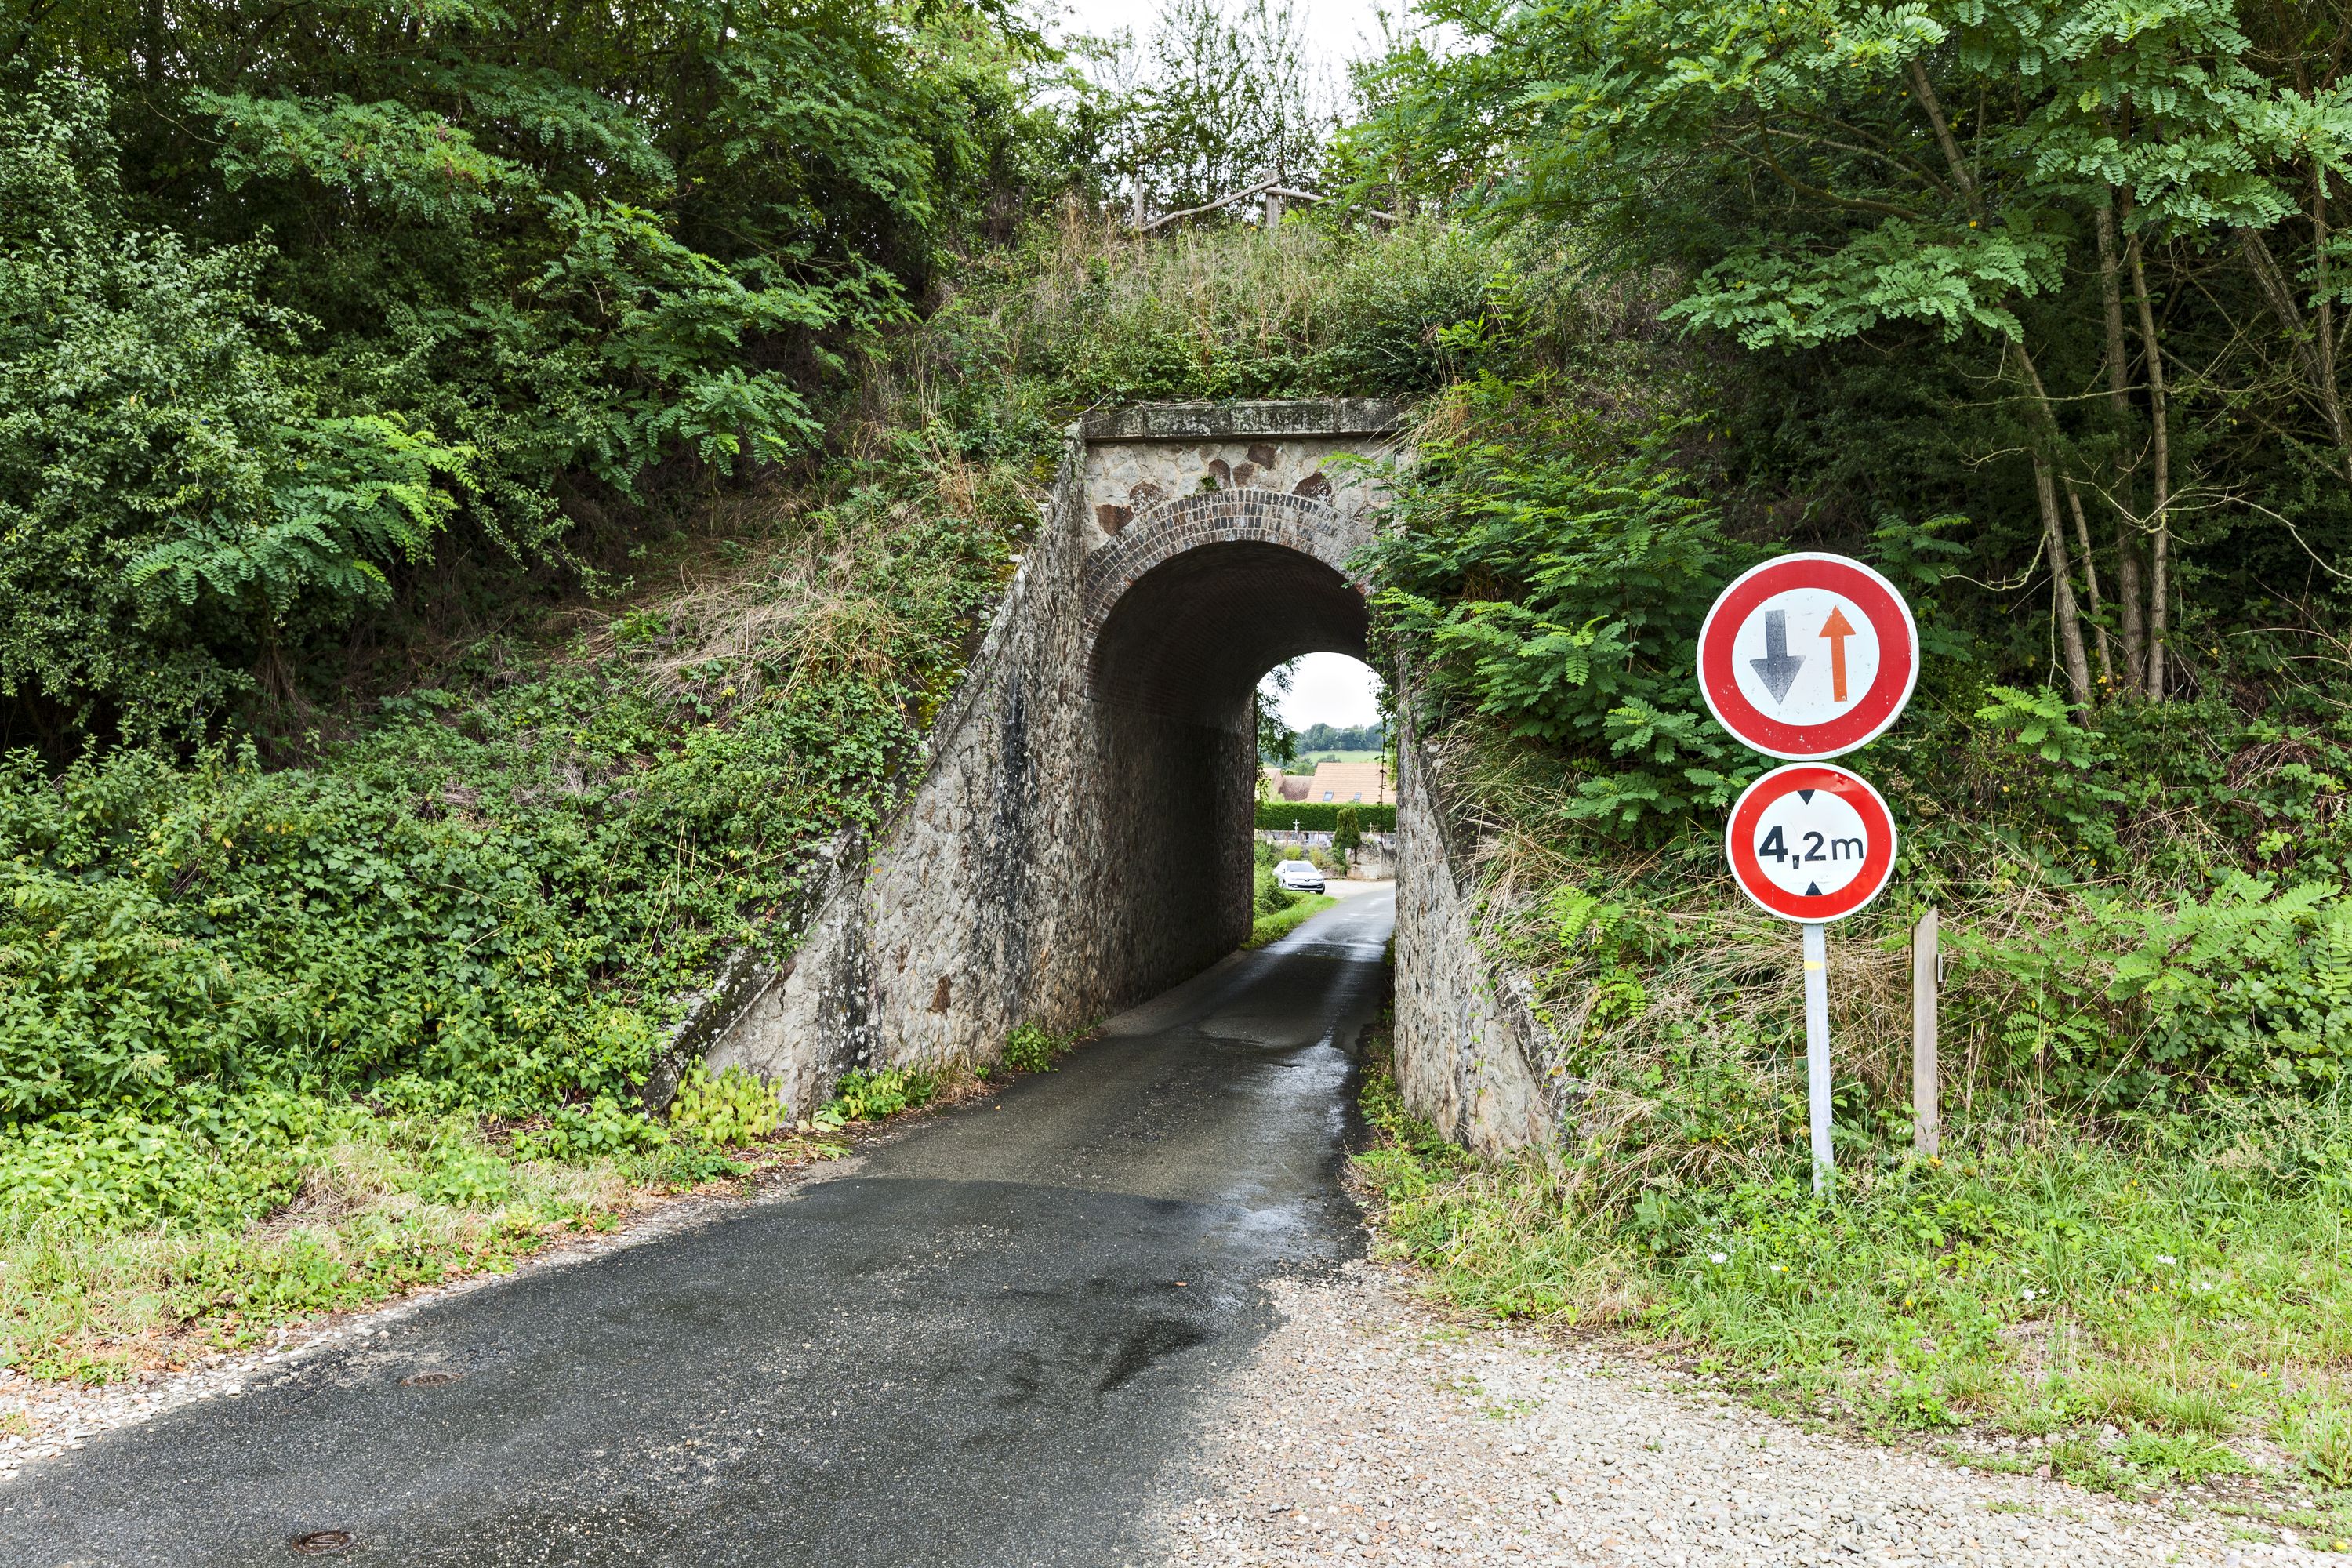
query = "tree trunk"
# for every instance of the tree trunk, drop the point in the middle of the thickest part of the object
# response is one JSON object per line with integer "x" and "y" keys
{"x": 2129, "y": 595}
{"x": 2091, "y": 582}
{"x": 2054, "y": 534}
{"x": 2159, "y": 585}
{"x": 2070, "y": 623}
{"x": 2315, "y": 351}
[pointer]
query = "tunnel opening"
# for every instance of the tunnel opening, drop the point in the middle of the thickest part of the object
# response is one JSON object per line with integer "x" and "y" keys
{"x": 1173, "y": 679}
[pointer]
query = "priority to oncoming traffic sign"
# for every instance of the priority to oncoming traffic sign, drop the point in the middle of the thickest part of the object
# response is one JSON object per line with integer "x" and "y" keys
{"x": 1811, "y": 843}
{"x": 1808, "y": 657}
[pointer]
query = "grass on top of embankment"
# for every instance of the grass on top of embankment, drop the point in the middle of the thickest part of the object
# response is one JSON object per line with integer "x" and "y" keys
{"x": 2032, "y": 1299}
{"x": 1282, "y": 923}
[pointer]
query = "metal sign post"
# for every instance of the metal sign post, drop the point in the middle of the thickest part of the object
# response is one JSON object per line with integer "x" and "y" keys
{"x": 1817, "y": 1051}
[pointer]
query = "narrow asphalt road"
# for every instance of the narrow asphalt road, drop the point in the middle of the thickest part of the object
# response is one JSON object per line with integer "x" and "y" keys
{"x": 988, "y": 1343}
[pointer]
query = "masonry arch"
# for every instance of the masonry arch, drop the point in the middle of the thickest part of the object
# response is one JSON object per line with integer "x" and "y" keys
{"x": 1207, "y": 594}
{"x": 1186, "y": 607}
{"x": 1077, "y": 837}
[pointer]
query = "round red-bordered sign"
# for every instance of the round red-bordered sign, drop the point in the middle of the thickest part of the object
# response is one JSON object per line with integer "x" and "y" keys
{"x": 1811, "y": 843}
{"x": 1808, "y": 657}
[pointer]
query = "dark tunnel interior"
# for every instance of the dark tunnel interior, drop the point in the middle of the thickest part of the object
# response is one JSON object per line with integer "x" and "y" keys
{"x": 1170, "y": 682}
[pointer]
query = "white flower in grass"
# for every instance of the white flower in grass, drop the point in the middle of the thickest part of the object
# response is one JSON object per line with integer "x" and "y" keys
{"x": 1719, "y": 1258}
{"x": 2168, "y": 1260}
{"x": 2026, "y": 1294}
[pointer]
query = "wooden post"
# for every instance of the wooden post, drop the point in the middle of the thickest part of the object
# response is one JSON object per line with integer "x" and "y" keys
{"x": 1926, "y": 1129}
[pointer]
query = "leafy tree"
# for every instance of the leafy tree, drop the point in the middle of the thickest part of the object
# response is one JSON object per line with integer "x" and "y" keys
{"x": 1212, "y": 102}
{"x": 1348, "y": 835}
{"x": 2093, "y": 212}
{"x": 278, "y": 316}
{"x": 1277, "y": 745}
{"x": 169, "y": 484}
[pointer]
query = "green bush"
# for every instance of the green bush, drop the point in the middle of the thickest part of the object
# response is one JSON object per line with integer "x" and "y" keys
{"x": 869, "y": 1095}
{"x": 729, "y": 1108}
{"x": 1299, "y": 909}
{"x": 1270, "y": 896}
{"x": 601, "y": 1128}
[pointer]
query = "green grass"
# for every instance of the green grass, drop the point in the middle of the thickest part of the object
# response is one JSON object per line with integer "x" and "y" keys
{"x": 126, "y": 1244}
{"x": 2141, "y": 1315}
{"x": 1281, "y": 922}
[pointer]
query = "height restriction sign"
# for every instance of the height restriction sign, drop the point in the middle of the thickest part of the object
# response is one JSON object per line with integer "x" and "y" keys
{"x": 1810, "y": 842}
{"x": 1808, "y": 657}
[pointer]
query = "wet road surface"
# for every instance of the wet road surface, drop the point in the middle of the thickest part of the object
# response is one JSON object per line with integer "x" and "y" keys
{"x": 987, "y": 1344}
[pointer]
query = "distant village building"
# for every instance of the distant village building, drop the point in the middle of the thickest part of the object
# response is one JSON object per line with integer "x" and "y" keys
{"x": 1336, "y": 783}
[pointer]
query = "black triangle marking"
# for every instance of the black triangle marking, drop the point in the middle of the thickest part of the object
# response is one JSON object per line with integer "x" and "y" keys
{"x": 1813, "y": 890}
{"x": 1806, "y": 796}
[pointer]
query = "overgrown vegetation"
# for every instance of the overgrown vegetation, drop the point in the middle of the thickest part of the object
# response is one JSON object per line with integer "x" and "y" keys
{"x": 477, "y": 518}
{"x": 486, "y": 495}
{"x": 2127, "y": 1314}
{"x": 284, "y": 324}
{"x": 2022, "y": 306}
{"x": 447, "y": 882}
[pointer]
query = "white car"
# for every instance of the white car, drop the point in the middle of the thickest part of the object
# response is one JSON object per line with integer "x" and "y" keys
{"x": 1298, "y": 877}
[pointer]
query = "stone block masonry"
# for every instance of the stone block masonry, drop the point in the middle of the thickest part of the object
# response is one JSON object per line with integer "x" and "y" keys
{"x": 1473, "y": 1054}
{"x": 1076, "y": 834}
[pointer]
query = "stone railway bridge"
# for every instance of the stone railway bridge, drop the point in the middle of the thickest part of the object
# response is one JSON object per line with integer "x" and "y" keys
{"x": 1078, "y": 837}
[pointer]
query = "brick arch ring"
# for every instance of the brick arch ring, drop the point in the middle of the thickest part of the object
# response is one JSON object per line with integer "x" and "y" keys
{"x": 1213, "y": 517}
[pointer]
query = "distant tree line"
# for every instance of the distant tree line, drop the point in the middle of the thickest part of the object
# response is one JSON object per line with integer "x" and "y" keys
{"x": 1318, "y": 738}
{"x": 1284, "y": 747}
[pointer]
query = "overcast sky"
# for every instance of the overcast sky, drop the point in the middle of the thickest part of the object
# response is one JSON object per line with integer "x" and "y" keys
{"x": 1342, "y": 29}
{"x": 1332, "y": 688}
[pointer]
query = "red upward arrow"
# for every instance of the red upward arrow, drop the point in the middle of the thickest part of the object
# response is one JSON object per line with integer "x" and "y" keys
{"x": 1837, "y": 630}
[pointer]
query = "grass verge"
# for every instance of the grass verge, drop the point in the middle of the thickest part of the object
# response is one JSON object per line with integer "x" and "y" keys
{"x": 1283, "y": 921}
{"x": 2038, "y": 1303}
{"x": 106, "y": 1269}
{"x": 127, "y": 1246}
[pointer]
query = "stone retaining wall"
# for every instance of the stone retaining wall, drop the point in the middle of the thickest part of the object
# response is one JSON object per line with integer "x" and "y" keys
{"x": 1472, "y": 1055}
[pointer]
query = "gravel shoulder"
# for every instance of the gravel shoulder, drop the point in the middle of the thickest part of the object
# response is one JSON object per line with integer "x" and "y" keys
{"x": 1370, "y": 1429}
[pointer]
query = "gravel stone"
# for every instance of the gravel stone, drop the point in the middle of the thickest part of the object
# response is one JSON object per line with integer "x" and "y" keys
{"x": 1367, "y": 1429}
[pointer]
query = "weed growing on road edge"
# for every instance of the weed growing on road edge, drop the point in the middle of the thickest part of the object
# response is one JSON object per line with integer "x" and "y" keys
{"x": 732, "y": 1106}
{"x": 872, "y": 1094}
{"x": 2127, "y": 1323}
{"x": 1031, "y": 1048}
